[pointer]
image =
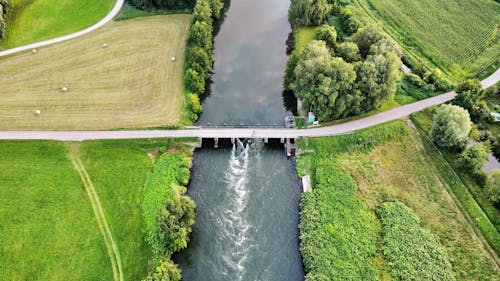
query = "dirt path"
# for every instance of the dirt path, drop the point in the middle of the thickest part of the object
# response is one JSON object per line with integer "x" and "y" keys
{"x": 113, "y": 252}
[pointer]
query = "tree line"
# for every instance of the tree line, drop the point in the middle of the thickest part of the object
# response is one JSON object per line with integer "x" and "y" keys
{"x": 4, "y": 10}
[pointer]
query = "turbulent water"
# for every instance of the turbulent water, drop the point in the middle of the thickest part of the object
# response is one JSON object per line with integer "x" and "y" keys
{"x": 247, "y": 195}
{"x": 247, "y": 201}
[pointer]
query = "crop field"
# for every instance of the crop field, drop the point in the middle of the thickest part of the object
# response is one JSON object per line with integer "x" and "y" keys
{"x": 36, "y": 20}
{"x": 379, "y": 161}
{"x": 49, "y": 230}
{"x": 130, "y": 84}
{"x": 459, "y": 36}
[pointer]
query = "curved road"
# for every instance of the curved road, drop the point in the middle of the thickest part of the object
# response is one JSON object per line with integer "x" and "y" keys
{"x": 348, "y": 127}
{"x": 116, "y": 9}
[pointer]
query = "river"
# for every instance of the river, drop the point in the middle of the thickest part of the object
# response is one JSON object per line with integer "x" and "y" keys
{"x": 247, "y": 194}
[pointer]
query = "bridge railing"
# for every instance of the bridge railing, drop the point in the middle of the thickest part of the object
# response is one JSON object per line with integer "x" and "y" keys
{"x": 241, "y": 126}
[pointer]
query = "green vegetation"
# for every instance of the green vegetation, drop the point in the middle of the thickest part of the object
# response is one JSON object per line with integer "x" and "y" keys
{"x": 338, "y": 233}
{"x": 48, "y": 229}
{"x": 4, "y": 11}
{"x": 303, "y": 36}
{"x": 199, "y": 53}
{"x": 460, "y": 37}
{"x": 134, "y": 86}
{"x": 336, "y": 89}
{"x": 37, "y": 20}
{"x": 168, "y": 213}
{"x": 129, "y": 12}
{"x": 482, "y": 211}
{"x": 155, "y": 4}
{"x": 413, "y": 252}
{"x": 379, "y": 160}
{"x": 308, "y": 12}
{"x": 450, "y": 126}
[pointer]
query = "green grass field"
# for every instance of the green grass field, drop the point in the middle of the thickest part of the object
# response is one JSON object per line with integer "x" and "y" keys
{"x": 130, "y": 84}
{"x": 390, "y": 164}
{"x": 49, "y": 230}
{"x": 303, "y": 36}
{"x": 36, "y": 20}
{"x": 459, "y": 36}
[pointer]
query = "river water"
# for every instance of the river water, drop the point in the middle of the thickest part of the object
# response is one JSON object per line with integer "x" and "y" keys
{"x": 247, "y": 194}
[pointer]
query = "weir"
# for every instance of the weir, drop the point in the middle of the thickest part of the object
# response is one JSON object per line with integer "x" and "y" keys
{"x": 289, "y": 144}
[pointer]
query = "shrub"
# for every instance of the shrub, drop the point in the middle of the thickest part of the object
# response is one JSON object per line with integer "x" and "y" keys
{"x": 413, "y": 253}
{"x": 165, "y": 271}
{"x": 193, "y": 106}
{"x": 474, "y": 157}
{"x": 194, "y": 82}
{"x": 450, "y": 126}
{"x": 160, "y": 190}
{"x": 348, "y": 51}
{"x": 328, "y": 34}
{"x": 350, "y": 25}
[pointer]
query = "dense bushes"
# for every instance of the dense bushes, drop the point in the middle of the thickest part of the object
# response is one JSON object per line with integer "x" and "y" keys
{"x": 361, "y": 79}
{"x": 413, "y": 253}
{"x": 168, "y": 214}
{"x": 4, "y": 9}
{"x": 308, "y": 12}
{"x": 199, "y": 52}
{"x": 162, "y": 4}
{"x": 338, "y": 234}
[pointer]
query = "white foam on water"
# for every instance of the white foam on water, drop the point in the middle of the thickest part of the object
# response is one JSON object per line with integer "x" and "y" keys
{"x": 234, "y": 225}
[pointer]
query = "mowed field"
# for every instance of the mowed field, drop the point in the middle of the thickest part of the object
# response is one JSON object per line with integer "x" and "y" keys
{"x": 459, "y": 36}
{"x": 130, "y": 84}
{"x": 49, "y": 230}
{"x": 36, "y": 20}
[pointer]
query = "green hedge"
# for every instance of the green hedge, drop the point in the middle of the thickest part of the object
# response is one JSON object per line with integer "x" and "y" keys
{"x": 168, "y": 176}
{"x": 338, "y": 233}
{"x": 413, "y": 253}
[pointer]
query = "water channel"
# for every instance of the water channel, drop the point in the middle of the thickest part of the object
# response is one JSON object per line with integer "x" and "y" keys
{"x": 247, "y": 194}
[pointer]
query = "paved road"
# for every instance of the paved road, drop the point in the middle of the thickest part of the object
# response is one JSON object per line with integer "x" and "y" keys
{"x": 344, "y": 128}
{"x": 116, "y": 9}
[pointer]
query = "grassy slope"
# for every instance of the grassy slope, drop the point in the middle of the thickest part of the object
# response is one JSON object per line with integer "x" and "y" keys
{"x": 45, "y": 19}
{"x": 402, "y": 170}
{"x": 130, "y": 84}
{"x": 303, "y": 36}
{"x": 458, "y": 36}
{"x": 48, "y": 229}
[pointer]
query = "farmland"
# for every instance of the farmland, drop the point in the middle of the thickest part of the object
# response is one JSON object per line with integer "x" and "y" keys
{"x": 389, "y": 163}
{"x": 459, "y": 36}
{"x": 130, "y": 84}
{"x": 36, "y": 20}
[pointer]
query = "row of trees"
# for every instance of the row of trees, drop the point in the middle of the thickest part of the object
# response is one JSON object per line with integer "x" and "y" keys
{"x": 341, "y": 80}
{"x": 162, "y": 4}
{"x": 199, "y": 53}
{"x": 168, "y": 213}
{"x": 4, "y": 9}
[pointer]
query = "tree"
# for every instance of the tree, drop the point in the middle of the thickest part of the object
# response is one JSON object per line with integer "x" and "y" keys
{"x": 176, "y": 219}
{"x": 349, "y": 24}
{"x": 308, "y": 12}
{"x": 473, "y": 158}
{"x": 348, "y": 51}
{"x": 321, "y": 79}
{"x": 202, "y": 12}
{"x": 328, "y": 34}
{"x": 200, "y": 35}
{"x": 194, "y": 82}
{"x": 366, "y": 37}
{"x": 450, "y": 127}
{"x": 198, "y": 59}
{"x": 470, "y": 96}
{"x": 290, "y": 68}
{"x": 165, "y": 271}
{"x": 193, "y": 106}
